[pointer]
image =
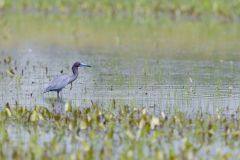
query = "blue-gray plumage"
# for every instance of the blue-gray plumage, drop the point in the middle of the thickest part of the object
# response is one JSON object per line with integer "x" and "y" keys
{"x": 60, "y": 82}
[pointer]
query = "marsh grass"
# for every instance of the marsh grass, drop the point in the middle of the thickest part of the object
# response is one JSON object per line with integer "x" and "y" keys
{"x": 133, "y": 8}
{"x": 119, "y": 132}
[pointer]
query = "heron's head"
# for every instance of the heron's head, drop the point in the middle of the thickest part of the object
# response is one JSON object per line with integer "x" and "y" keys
{"x": 78, "y": 64}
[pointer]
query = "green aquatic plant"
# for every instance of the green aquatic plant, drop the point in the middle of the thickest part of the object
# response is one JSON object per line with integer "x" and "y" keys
{"x": 136, "y": 9}
{"x": 7, "y": 60}
{"x": 10, "y": 72}
{"x": 119, "y": 133}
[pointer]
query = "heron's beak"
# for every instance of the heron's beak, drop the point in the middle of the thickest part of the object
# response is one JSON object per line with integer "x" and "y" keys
{"x": 84, "y": 65}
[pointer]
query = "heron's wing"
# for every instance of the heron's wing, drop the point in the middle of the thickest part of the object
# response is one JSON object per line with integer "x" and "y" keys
{"x": 58, "y": 83}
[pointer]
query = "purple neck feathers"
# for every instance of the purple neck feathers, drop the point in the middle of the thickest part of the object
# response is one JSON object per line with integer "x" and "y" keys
{"x": 75, "y": 71}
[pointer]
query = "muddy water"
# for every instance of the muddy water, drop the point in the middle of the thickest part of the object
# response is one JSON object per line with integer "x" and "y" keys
{"x": 157, "y": 84}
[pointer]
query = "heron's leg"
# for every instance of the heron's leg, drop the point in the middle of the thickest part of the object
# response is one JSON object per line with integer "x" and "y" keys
{"x": 61, "y": 96}
{"x": 71, "y": 87}
{"x": 58, "y": 94}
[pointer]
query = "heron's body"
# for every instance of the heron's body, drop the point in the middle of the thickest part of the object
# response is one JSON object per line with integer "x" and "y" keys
{"x": 59, "y": 83}
{"x": 62, "y": 81}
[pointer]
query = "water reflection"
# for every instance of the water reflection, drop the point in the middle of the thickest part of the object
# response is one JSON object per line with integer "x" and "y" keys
{"x": 57, "y": 104}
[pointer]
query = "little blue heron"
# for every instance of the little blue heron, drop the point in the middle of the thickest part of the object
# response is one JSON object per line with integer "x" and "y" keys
{"x": 60, "y": 82}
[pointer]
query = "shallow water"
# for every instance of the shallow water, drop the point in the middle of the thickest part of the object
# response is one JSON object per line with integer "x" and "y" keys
{"x": 157, "y": 84}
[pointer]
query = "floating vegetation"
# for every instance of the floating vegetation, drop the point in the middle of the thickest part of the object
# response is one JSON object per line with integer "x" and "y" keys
{"x": 115, "y": 133}
{"x": 7, "y": 60}
{"x": 10, "y": 72}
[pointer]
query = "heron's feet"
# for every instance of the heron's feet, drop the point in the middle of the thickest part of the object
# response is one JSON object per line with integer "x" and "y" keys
{"x": 71, "y": 87}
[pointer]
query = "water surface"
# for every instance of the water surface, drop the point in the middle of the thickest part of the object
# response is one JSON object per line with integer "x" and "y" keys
{"x": 157, "y": 84}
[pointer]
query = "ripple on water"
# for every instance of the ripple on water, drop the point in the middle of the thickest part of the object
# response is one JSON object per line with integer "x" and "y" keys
{"x": 162, "y": 84}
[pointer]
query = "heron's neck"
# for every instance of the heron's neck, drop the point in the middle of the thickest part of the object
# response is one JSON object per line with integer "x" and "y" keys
{"x": 75, "y": 74}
